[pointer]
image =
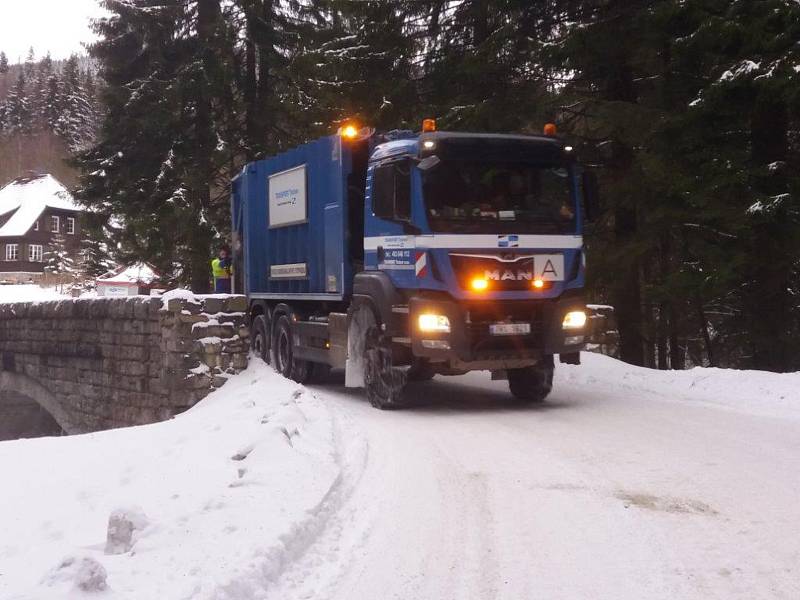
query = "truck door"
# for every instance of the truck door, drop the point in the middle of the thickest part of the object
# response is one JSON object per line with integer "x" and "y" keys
{"x": 389, "y": 237}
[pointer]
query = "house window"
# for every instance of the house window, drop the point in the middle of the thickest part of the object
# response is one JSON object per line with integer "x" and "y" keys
{"x": 70, "y": 225}
{"x": 36, "y": 225}
{"x": 55, "y": 224}
{"x": 12, "y": 251}
{"x": 35, "y": 253}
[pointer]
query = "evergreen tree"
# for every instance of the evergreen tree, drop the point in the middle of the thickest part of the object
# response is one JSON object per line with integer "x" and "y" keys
{"x": 59, "y": 262}
{"x": 30, "y": 64}
{"x": 77, "y": 119}
{"x": 18, "y": 114}
{"x": 43, "y": 104}
{"x": 95, "y": 255}
{"x": 3, "y": 63}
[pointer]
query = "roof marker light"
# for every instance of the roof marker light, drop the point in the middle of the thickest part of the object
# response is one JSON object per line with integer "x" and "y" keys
{"x": 550, "y": 129}
{"x": 428, "y": 125}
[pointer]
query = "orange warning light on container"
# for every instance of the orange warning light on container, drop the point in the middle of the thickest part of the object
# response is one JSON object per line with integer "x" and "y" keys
{"x": 428, "y": 125}
{"x": 550, "y": 129}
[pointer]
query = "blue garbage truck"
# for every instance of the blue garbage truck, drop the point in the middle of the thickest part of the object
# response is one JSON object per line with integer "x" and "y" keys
{"x": 401, "y": 255}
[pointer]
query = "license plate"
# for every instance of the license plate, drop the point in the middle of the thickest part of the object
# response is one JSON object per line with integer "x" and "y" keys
{"x": 510, "y": 328}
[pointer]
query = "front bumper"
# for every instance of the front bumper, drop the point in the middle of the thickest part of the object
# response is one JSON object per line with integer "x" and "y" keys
{"x": 470, "y": 340}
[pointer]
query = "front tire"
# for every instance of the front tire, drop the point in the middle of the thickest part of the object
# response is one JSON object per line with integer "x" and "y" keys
{"x": 532, "y": 384}
{"x": 383, "y": 381}
{"x": 283, "y": 345}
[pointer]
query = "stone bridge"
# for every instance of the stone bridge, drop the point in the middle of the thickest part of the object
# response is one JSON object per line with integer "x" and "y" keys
{"x": 75, "y": 366}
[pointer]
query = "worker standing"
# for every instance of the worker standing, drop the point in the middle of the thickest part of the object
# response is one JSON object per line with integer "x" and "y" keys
{"x": 221, "y": 270}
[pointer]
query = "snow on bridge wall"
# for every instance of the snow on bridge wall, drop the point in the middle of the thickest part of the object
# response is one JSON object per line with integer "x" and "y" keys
{"x": 110, "y": 362}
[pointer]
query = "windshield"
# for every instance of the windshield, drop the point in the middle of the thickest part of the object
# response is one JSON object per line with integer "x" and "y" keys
{"x": 498, "y": 197}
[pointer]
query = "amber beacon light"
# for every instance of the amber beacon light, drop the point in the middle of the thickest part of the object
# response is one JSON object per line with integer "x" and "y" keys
{"x": 550, "y": 129}
{"x": 428, "y": 125}
{"x": 349, "y": 131}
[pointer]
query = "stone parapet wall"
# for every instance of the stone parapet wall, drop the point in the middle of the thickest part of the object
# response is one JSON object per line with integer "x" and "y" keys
{"x": 111, "y": 362}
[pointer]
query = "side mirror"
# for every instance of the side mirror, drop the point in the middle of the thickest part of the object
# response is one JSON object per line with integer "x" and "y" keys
{"x": 428, "y": 163}
{"x": 591, "y": 196}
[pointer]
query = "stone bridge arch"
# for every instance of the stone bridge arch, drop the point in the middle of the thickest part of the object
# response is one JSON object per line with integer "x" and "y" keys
{"x": 17, "y": 384}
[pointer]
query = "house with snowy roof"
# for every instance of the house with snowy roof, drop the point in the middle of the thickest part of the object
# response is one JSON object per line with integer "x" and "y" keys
{"x": 35, "y": 210}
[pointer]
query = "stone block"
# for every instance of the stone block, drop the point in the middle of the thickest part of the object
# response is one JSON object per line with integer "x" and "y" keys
{"x": 236, "y": 304}
{"x": 214, "y": 305}
{"x": 240, "y": 361}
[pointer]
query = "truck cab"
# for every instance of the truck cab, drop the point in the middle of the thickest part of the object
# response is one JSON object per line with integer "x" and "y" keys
{"x": 451, "y": 252}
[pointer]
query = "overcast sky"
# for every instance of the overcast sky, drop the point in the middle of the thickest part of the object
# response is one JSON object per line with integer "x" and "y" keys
{"x": 59, "y": 26}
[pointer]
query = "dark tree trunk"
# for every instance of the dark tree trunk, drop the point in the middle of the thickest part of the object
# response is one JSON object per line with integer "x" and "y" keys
{"x": 768, "y": 297}
{"x": 208, "y": 16}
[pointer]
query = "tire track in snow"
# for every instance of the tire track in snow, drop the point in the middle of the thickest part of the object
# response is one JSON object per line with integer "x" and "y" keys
{"x": 275, "y": 564}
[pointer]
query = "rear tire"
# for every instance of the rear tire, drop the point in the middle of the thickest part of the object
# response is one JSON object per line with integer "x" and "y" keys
{"x": 283, "y": 345}
{"x": 532, "y": 384}
{"x": 383, "y": 381}
{"x": 259, "y": 340}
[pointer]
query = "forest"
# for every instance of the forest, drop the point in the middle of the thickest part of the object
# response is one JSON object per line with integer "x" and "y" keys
{"x": 49, "y": 111}
{"x": 688, "y": 111}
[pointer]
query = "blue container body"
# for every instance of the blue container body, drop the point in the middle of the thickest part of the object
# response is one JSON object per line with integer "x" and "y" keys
{"x": 313, "y": 248}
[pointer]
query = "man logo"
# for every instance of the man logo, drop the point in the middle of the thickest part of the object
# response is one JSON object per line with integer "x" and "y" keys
{"x": 508, "y": 275}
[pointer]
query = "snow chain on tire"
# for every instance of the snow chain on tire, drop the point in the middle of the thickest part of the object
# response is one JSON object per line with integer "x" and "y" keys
{"x": 383, "y": 381}
{"x": 532, "y": 384}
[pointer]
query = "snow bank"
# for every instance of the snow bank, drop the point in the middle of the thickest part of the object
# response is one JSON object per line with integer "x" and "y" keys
{"x": 28, "y": 293}
{"x": 754, "y": 392}
{"x": 212, "y": 504}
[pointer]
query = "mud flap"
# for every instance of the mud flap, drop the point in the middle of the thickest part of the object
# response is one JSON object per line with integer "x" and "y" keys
{"x": 360, "y": 323}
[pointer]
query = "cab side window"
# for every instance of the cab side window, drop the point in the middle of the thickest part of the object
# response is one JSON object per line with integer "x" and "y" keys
{"x": 391, "y": 191}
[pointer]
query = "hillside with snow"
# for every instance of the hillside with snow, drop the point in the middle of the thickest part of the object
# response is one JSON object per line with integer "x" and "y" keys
{"x": 625, "y": 484}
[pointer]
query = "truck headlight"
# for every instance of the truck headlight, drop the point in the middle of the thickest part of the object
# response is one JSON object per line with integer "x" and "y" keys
{"x": 575, "y": 319}
{"x": 434, "y": 323}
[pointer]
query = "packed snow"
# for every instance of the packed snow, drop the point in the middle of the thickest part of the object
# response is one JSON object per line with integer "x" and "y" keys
{"x": 626, "y": 484}
{"x": 28, "y": 293}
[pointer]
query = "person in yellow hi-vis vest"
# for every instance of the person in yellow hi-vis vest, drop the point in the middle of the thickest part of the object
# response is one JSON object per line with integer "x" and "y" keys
{"x": 221, "y": 271}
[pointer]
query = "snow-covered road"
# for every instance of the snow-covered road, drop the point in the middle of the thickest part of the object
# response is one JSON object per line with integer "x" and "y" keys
{"x": 605, "y": 491}
{"x": 625, "y": 484}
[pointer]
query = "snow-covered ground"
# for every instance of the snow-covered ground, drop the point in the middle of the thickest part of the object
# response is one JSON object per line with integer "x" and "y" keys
{"x": 28, "y": 293}
{"x": 625, "y": 484}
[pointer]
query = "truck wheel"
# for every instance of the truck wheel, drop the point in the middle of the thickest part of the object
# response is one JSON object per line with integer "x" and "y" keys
{"x": 283, "y": 346}
{"x": 260, "y": 338}
{"x": 532, "y": 384}
{"x": 383, "y": 381}
{"x": 421, "y": 370}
